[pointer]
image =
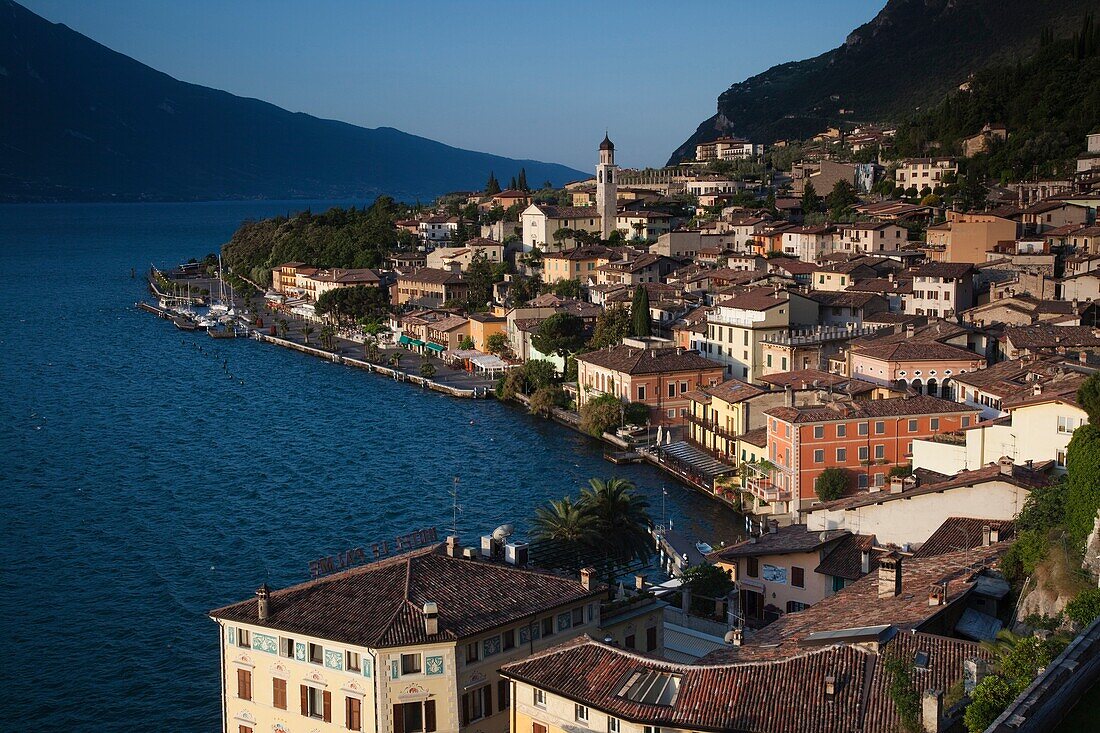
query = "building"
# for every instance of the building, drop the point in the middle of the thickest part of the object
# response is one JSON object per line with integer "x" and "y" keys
{"x": 657, "y": 376}
{"x": 727, "y": 148}
{"x": 1044, "y": 338}
{"x": 430, "y": 288}
{"x": 737, "y": 327}
{"x": 807, "y": 348}
{"x": 642, "y": 224}
{"x": 541, "y": 221}
{"x": 941, "y": 289}
{"x": 579, "y": 263}
{"x": 981, "y": 142}
{"x": 967, "y": 237}
{"x": 847, "y": 308}
{"x": 864, "y": 438}
{"x": 607, "y": 179}
{"x": 284, "y": 277}
{"x": 869, "y": 237}
{"x": 484, "y": 325}
{"x": 809, "y": 243}
{"x": 634, "y": 268}
{"x": 923, "y": 365}
{"x": 921, "y": 173}
{"x": 438, "y": 228}
{"x": 403, "y": 644}
{"x": 719, "y": 414}
{"x": 459, "y": 258}
{"x": 823, "y": 175}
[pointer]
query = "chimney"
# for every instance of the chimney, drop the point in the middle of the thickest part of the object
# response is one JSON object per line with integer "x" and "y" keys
{"x": 889, "y": 576}
{"x": 773, "y": 526}
{"x": 263, "y": 602}
{"x": 974, "y": 671}
{"x": 830, "y": 687}
{"x": 452, "y": 546}
{"x": 994, "y": 535}
{"x": 910, "y": 329}
{"x": 431, "y": 618}
{"x": 865, "y": 562}
{"x": 897, "y": 484}
{"x": 1006, "y": 466}
{"x": 1037, "y": 389}
{"x": 986, "y": 531}
{"x": 789, "y": 395}
{"x": 639, "y": 582}
{"x": 936, "y": 595}
{"x": 586, "y": 577}
{"x": 931, "y": 710}
{"x": 736, "y": 637}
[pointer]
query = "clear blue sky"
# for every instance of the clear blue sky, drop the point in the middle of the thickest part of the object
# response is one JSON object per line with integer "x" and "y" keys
{"x": 521, "y": 78}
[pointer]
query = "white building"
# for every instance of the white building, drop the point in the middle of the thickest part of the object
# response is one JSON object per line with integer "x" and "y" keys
{"x": 607, "y": 180}
{"x": 737, "y": 327}
{"x": 920, "y": 172}
{"x": 541, "y": 221}
{"x": 439, "y": 228}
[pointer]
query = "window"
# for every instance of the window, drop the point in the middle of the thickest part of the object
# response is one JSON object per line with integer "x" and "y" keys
{"x": 504, "y": 695}
{"x": 863, "y": 454}
{"x": 414, "y": 717}
{"x": 752, "y": 568}
{"x": 798, "y": 577}
{"x": 862, "y": 428}
{"x": 614, "y": 725}
{"x": 651, "y": 729}
{"x": 880, "y": 452}
{"x": 477, "y": 704}
{"x": 548, "y": 626}
{"x": 351, "y": 661}
{"x": 244, "y": 684}
{"x": 769, "y": 359}
{"x": 862, "y": 481}
{"x": 471, "y": 652}
{"x": 841, "y": 431}
{"x": 1067, "y": 425}
{"x": 819, "y": 432}
{"x": 641, "y": 392}
{"x": 880, "y": 479}
{"x": 880, "y": 427}
{"x": 244, "y": 639}
{"x": 651, "y": 639}
{"x": 795, "y": 606}
{"x": 578, "y": 616}
{"x": 580, "y": 713}
{"x": 819, "y": 456}
{"x": 842, "y": 455}
{"x": 630, "y": 642}
{"x": 537, "y": 727}
{"x": 672, "y": 389}
{"x": 913, "y": 426}
{"x": 278, "y": 693}
{"x": 1061, "y": 458}
{"x": 508, "y": 639}
{"x": 353, "y": 713}
{"x": 410, "y": 664}
{"x": 540, "y": 698}
{"x": 317, "y": 703}
{"x": 286, "y": 647}
{"x": 671, "y": 413}
{"x": 244, "y": 729}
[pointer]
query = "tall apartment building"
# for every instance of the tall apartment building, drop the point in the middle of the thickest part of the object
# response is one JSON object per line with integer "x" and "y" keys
{"x": 920, "y": 172}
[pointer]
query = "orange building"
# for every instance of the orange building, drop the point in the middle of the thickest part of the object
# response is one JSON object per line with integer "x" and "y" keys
{"x": 865, "y": 439}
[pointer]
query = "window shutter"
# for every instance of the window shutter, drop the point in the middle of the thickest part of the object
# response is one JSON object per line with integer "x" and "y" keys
{"x": 429, "y": 716}
{"x": 278, "y": 693}
{"x": 305, "y": 700}
{"x": 466, "y": 709}
{"x": 398, "y": 718}
{"x": 502, "y": 695}
{"x": 328, "y": 706}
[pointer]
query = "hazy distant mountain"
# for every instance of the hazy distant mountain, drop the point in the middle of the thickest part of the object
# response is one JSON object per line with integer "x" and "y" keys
{"x": 910, "y": 55}
{"x": 79, "y": 121}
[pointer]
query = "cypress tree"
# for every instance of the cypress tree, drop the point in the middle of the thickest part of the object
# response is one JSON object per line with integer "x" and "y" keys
{"x": 639, "y": 313}
{"x": 512, "y": 185}
{"x": 492, "y": 186}
{"x": 521, "y": 182}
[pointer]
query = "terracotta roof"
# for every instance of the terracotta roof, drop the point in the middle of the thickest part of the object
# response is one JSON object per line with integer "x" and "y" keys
{"x": 757, "y": 437}
{"x": 917, "y": 351}
{"x": 585, "y": 252}
{"x": 805, "y": 379}
{"x": 785, "y": 540}
{"x": 633, "y": 360}
{"x": 756, "y": 299}
{"x": 963, "y": 533}
{"x": 844, "y": 298}
{"x": 948, "y": 270}
{"x": 380, "y": 605}
{"x": 1010, "y": 377}
{"x": 870, "y": 409}
{"x": 434, "y": 276}
{"x": 1041, "y": 336}
{"x": 845, "y": 559}
{"x": 1061, "y": 388}
{"x": 731, "y": 390}
{"x": 568, "y": 212}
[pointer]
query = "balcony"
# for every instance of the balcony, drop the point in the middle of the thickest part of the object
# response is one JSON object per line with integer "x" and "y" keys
{"x": 760, "y": 483}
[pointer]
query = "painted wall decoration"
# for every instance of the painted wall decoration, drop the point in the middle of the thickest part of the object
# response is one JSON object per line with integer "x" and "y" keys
{"x": 279, "y": 670}
{"x": 528, "y": 633}
{"x": 367, "y": 668}
{"x": 300, "y": 651}
{"x": 265, "y": 643}
{"x": 395, "y": 670}
{"x": 433, "y": 665}
{"x": 565, "y": 620}
{"x": 334, "y": 659}
{"x": 279, "y": 728}
{"x": 773, "y": 574}
{"x": 490, "y": 646}
{"x": 232, "y": 634}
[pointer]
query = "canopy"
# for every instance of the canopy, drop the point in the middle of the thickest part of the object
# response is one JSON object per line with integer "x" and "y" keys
{"x": 435, "y": 347}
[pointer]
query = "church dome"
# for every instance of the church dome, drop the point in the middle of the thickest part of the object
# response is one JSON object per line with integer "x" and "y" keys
{"x": 607, "y": 144}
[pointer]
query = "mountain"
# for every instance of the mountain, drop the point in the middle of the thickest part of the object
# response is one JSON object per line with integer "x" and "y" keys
{"x": 909, "y": 56}
{"x": 82, "y": 122}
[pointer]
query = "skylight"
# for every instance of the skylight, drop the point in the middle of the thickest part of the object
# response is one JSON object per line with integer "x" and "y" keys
{"x": 651, "y": 687}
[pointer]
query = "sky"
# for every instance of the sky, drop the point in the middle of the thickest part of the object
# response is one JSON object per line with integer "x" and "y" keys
{"x": 521, "y": 78}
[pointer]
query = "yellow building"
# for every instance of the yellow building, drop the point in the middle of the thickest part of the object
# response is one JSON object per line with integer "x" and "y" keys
{"x": 407, "y": 644}
{"x": 484, "y": 325}
{"x": 719, "y": 414}
{"x": 579, "y": 263}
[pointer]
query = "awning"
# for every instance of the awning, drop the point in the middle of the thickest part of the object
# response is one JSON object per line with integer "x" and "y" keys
{"x": 435, "y": 347}
{"x": 404, "y": 340}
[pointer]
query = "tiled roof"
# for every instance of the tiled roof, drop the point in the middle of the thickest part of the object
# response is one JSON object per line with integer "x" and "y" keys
{"x": 756, "y": 299}
{"x": 757, "y": 437}
{"x": 805, "y": 379}
{"x": 1042, "y": 336}
{"x": 1020, "y": 476}
{"x": 948, "y": 270}
{"x": 845, "y": 560}
{"x": 869, "y": 409}
{"x": 917, "y": 351}
{"x": 434, "y": 276}
{"x": 568, "y": 212}
{"x": 731, "y": 390}
{"x": 843, "y": 298}
{"x": 963, "y": 533}
{"x": 1062, "y": 388}
{"x": 785, "y": 540}
{"x": 1009, "y": 377}
{"x": 586, "y": 252}
{"x": 380, "y": 605}
{"x": 633, "y": 360}
{"x": 860, "y": 604}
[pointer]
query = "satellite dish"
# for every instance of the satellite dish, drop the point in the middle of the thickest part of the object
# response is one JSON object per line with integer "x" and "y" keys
{"x": 503, "y": 532}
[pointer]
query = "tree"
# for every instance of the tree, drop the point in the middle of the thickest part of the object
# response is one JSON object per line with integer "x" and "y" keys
{"x": 539, "y": 373}
{"x": 811, "y": 202}
{"x": 480, "y": 277}
{"x": 282, "y": 327}
{"x": 1082, "y": 494}
{"x": 427, "y": 369}
{"x": 707, "y": 583}
{"x": 1084, "y": 609}
{"x": 466, "y": 343}
{"x": 1088, "y": 396}
{"x": 307, "y": 331}
{"x": 521, "y": 182}
{"x": 567, "y": 288}
{"x": 621, "y": 518}
{"x": 567, "y": 528}
{"x": 640, "y": 324}
{"x": 831, "y": 484}
{"x": 1015, "y": 670}
{"x": 512, "y": 184}
{"x": 497, "y": 343}
{"x": 351, "y": 304}
{"x": 561, "y": 334}
{"x": 545, "y": 399}
{"x": 842, "y": 198}
{"x": 492, "y": 186}
{"x": 601, "y": 414}
{"x": 612, "y": 326}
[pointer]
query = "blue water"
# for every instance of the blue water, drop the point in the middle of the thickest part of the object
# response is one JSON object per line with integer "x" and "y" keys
{"x": 141, "y": 487}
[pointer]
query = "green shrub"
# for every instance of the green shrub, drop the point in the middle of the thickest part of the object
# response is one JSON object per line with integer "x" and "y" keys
{"x": 1026, "y": 553}
{"x": 1084, "y": 609}
{"x": 831, "y": 484}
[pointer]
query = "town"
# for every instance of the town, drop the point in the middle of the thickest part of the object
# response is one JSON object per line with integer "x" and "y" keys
{"x": 889, "y": 369}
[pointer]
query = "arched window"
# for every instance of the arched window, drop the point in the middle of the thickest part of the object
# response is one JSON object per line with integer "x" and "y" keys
{"x": 610, "y": 176}
{"x": 599, "y": 177}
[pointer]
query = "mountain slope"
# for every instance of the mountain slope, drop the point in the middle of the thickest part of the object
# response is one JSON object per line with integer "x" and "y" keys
{"x": 910, "y": 55}
{"x": 82, "y": 122}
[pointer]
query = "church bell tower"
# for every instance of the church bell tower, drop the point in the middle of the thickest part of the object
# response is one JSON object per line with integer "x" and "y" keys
{"x": 607, "y": 179}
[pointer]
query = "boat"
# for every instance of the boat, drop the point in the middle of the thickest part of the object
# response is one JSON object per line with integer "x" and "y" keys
{"x": 185, "y": 324}
{"x": 703, "y": 548}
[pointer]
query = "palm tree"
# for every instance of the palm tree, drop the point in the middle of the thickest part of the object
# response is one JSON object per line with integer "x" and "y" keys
{"x": 281, "y": 327}
{"x": 566, "y": 528}
{"x": 622, "y": 519}
{"x": 370, "y": 348}
{"x": 307, "y": 330}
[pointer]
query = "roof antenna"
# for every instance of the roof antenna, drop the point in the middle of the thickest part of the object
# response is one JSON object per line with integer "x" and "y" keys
{"x": 454, "y": 507}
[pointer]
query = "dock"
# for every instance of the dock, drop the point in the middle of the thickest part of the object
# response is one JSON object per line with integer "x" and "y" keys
{"x": 675, "y": 552}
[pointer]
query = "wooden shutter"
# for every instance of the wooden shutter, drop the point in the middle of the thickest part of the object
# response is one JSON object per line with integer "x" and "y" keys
{"x": 398, "y": 718}
{"x": 487, "y": 701}
{"x": 328, "y": 706}
{"x": 278, "y": 693}
{"x": 244, "y": 684}
{"x": 466, "y": 709}
{"x": 429, "y": 716}
{"x": 502, "y": 695}
{"x": 353, "y": 720}
{"x": 305, "y": 700}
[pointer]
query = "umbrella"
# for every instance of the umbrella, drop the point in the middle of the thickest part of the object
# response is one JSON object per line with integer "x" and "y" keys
{"x": 659, "y": 434}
